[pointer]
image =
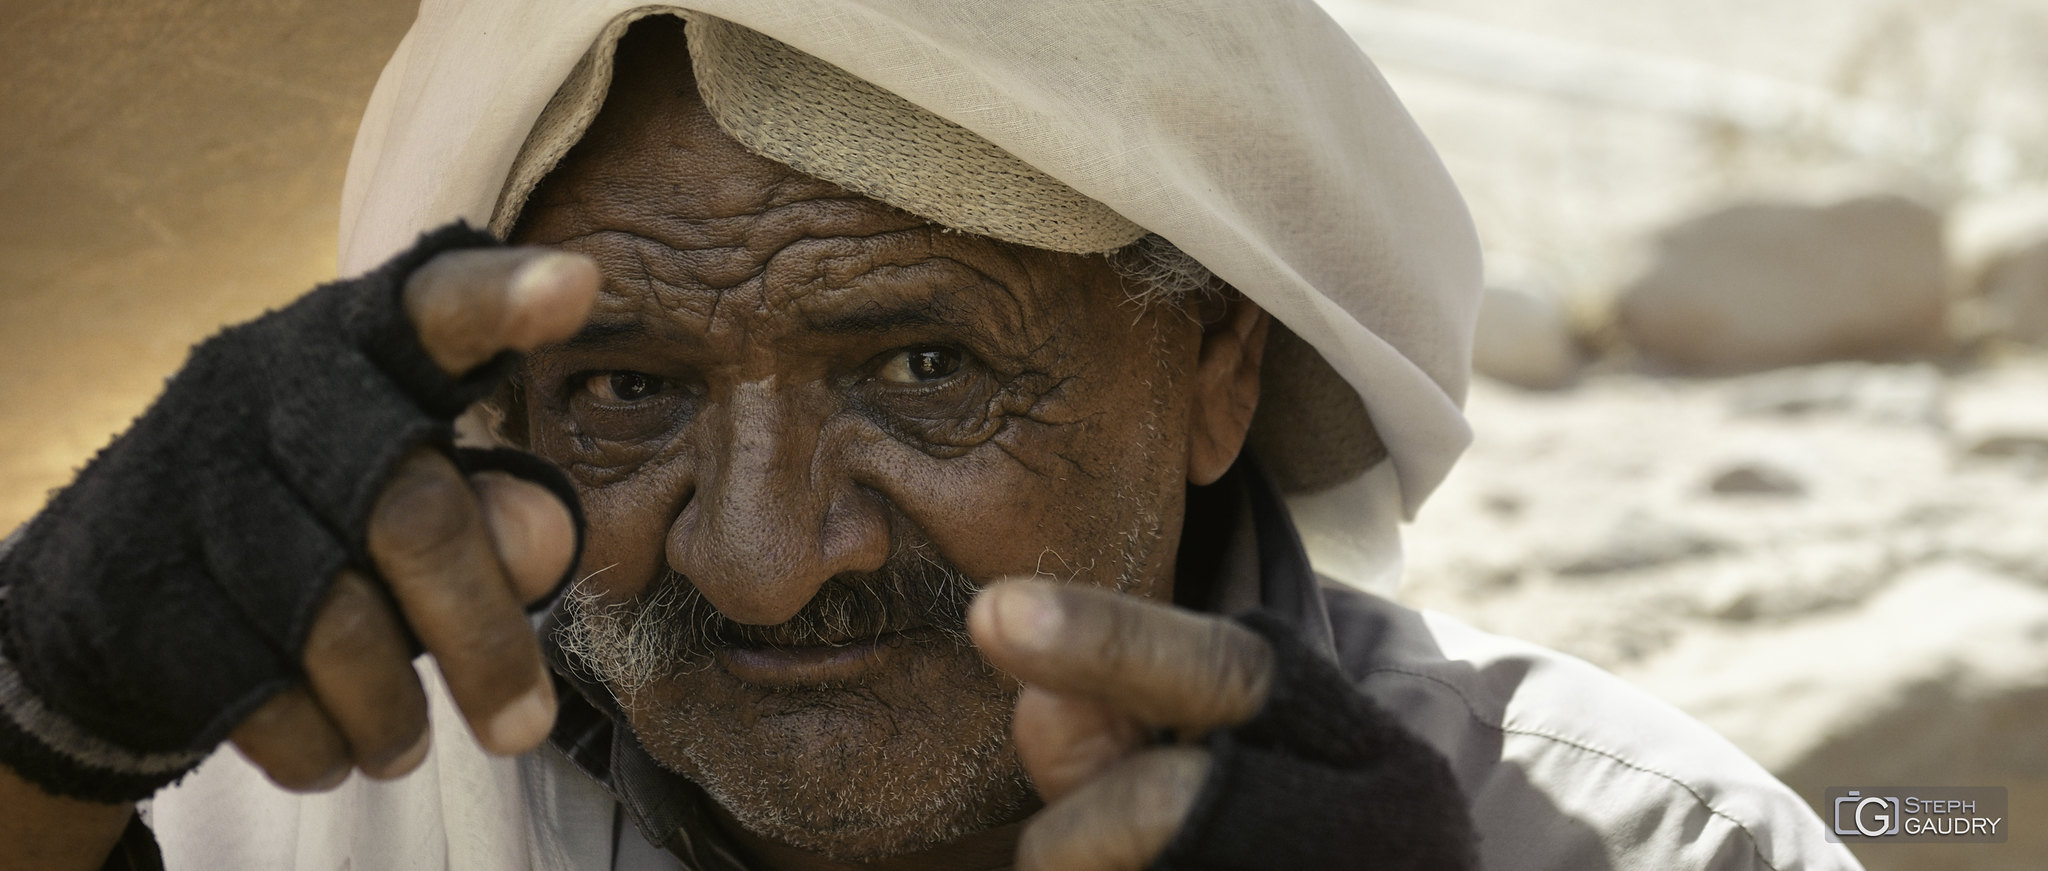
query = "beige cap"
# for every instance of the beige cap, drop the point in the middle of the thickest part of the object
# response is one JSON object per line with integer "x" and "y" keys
{"x": 797, "y": 110}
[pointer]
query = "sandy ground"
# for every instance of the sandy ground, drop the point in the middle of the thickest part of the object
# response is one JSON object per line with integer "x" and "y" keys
{"x": 168, "y": 166}
{"x": 1842, "y": 568}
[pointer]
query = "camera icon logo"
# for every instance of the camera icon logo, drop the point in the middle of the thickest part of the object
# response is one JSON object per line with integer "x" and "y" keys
{"x": 1868, "y": 815}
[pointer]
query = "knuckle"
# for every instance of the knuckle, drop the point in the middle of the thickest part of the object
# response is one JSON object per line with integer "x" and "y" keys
{"x": 454, "y": 296}
{"x": 1115, "y": 629}
{"x": 293, "y": 749}
{"x": 1162, "y": 790}
{"x": 424, "y": 514}
{"x": 1151, "y": 782}
{"x": 1238, "y": 667}
{"x": 340, "y": 635}
{"x": 397, "y": 734}
{"x": 434, "y": 291}
{"x": 288, "y": 714}
{"x": 1181, "y": 771}
{"x": 493, "y": 649}
{"x": 351, "y": 626}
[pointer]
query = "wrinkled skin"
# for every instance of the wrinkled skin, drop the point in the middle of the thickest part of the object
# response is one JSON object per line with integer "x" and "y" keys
{"x": 783, "y": 381}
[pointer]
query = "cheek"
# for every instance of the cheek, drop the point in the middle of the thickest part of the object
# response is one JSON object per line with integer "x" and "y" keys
{"x": 628, "y": 523}
{"x": 626, "y": 516}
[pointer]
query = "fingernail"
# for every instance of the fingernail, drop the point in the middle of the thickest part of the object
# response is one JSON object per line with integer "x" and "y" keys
{"x": 521, "y": 725}
{"x": 1028, "y": 618}
{"x": 539, "y": 276}
{"x": 405, "y": 762}
{"x": 538, "y": 280}
{"x": 334, "y": 778}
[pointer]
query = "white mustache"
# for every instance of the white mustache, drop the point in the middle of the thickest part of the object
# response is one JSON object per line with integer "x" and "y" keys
{"x": 673, "y": 629}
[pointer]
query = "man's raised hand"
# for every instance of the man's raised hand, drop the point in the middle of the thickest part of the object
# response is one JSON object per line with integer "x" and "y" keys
{"x": 458, "y": 558}
{"x": 1296, "y": 767}
{"x": 1104, "y": 672}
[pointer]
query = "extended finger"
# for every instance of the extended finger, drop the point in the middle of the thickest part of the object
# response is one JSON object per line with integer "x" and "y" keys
{"x": 359, "y": 667}
{"x": 294, "y": 742}
{"x": 428, "y": 540}
{"x": 1064, "y": 741}
{"x": 1166, "y": 666}
{"x": 530, "y": 529}
{"x": 1119, "y": 821}
{"x": 468, "y": 305}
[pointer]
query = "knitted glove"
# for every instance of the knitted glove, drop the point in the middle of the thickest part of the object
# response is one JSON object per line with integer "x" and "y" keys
{"x": 167, "y": 593}
{"x": 1321, "y": 778}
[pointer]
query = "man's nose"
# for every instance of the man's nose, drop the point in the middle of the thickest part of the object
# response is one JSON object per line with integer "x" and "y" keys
{"x": 774, "y": 514}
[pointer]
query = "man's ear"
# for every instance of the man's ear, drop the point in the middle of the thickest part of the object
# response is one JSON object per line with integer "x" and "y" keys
{"x": 1226, "y": 385}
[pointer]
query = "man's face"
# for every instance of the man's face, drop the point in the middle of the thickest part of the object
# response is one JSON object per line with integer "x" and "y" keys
{"x": 803, "y": 425}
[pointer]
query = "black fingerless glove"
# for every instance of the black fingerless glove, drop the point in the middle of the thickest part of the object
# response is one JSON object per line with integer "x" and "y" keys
{"x": 166, "y": 593}
{"x": 1321, "y": 778}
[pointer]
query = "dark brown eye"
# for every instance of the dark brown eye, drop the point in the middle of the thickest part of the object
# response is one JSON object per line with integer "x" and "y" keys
{"x": 624, "y": 386}
{"x": 921, "y": 365}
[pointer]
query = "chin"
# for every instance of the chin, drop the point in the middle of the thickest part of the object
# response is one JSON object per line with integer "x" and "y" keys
{"x": 912, "y": 756}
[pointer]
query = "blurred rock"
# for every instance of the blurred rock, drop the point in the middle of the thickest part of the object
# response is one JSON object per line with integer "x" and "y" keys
{"x": 2013, "y": 296}
{"x": 1637, "y": 542}
{"x": 1787, "y": 585}
{"x": 1760, "y": 286}
{"x": 1525, "y": 339}
{"x": 2009, "y": 447}
{"x": 1910, "y": 394}
{"x": 1506, "y": 506}
{"x": 2002, "y": 417}
{"x": 1756, "y": 479}
{"x": 1987, "y": 227}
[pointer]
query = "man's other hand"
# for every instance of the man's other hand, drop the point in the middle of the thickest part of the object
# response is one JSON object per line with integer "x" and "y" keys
{"x": 1104, "y": 674}
{"x": 458, "y": 558}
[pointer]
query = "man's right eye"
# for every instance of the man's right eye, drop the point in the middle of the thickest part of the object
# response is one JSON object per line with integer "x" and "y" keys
{"x": 623, "y": 386}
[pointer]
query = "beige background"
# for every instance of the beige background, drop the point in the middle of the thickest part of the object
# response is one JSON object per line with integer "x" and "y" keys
{"x": 166, "y": 166}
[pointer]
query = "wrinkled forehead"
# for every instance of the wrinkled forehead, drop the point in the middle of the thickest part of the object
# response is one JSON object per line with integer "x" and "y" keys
{"x": 688, "y": 222}
{"x": 793, "y": 111}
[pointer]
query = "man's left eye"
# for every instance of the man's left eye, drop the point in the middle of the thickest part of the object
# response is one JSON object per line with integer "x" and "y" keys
{"x": 623, "y": 386}
{"x": 921, "y": 365}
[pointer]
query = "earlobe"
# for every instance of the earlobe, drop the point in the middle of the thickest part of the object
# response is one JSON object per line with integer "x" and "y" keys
{"x": 1226, "y": 388}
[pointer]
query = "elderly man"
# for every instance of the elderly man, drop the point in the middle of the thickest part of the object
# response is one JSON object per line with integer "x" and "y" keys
{"x": 836, "y": 314}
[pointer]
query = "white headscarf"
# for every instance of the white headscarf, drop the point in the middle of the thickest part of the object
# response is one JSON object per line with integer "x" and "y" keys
{"x": 1252, "y": 134}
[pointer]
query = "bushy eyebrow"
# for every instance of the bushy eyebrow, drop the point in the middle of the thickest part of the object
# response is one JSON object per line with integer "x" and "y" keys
{"x": 607, "y": 333}
{"x": 938, "y": 292}
{"x": 879, "y": 317}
